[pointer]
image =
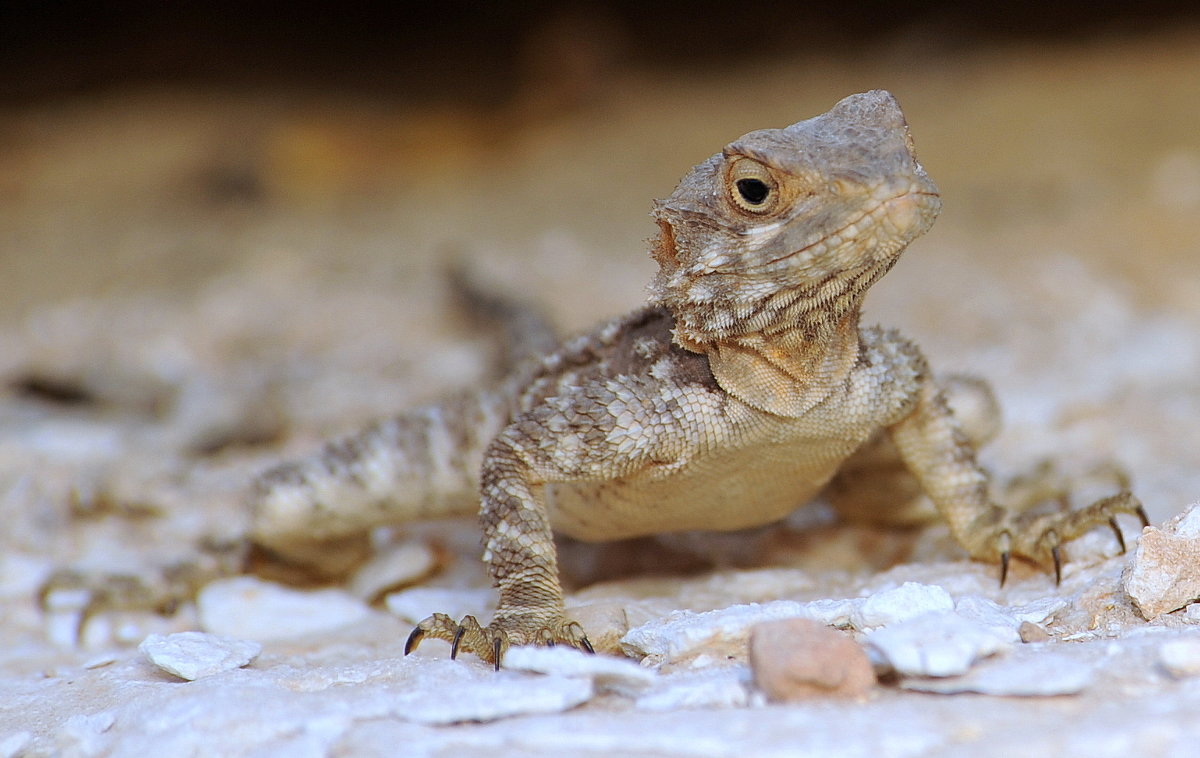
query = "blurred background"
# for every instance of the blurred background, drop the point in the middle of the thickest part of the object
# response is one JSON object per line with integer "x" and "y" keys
{"x": 213, "y": 209}
{"x": 147, "y": 144}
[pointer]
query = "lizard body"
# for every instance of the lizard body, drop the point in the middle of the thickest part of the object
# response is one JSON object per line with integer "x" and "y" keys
{"x": 733, "y": 397}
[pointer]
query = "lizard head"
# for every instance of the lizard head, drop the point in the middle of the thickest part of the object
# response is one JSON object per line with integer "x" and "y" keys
{"x": 785, "y": 222}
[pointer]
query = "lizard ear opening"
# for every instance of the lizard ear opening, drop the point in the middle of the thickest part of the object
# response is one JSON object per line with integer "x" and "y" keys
{"x": 663, "y": 248}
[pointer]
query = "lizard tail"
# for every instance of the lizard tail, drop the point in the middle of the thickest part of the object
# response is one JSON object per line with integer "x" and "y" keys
{"x": 423, "y": 464}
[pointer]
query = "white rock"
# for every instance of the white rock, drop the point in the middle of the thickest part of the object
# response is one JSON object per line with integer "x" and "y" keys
{"x": 451, "y": 692}
{"x": 1181, "y": 657}
{"x": 725, "y": 631}
{"x": 250, "y": 608}
{"x": 907, "y": 601}
{"x": 685, "y": 632}
{"x": 193, "y": 655}
{"x": 416, "y": 604}
{"x": 839, "y": 613}
{"x": 989, "y": 613}
{"x": 619, "y": 675}
{"x": 86, "y": 734}
{"x": 1045, "y": 674}
{"x": 13, "y": 745}
{"x": 939, "y": 644}
{"x": 718, "y": 687}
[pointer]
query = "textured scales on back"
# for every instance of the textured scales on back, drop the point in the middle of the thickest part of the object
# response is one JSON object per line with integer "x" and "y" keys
{"x": 732, "y": 398}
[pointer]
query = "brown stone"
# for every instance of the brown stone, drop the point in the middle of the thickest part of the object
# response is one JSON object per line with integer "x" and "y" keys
{"x": 797, "y": 659}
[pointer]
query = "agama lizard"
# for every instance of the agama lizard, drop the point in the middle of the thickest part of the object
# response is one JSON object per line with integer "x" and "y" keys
{"x": 734, "y": 396}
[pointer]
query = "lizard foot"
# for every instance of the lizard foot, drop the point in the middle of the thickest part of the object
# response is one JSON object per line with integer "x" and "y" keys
{"x": 160, "y": 590}
{"x": 490, "y": 642}
{"x": 1038, "y": 537}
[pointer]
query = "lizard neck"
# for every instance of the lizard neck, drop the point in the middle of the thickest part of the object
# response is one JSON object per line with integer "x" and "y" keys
{"x": 793, "y": 357}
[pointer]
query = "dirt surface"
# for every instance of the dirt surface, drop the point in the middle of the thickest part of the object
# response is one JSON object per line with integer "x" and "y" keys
{"x": 199, "y": 281}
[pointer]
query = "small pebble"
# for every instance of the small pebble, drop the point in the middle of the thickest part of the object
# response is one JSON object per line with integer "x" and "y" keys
{"x": 1031, "y": 632}
{"x": 797, "y": 659}
{"x": 194, "y": 655}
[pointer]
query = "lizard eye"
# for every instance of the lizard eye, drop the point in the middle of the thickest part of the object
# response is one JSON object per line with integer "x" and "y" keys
{"x": 751, "y": 186}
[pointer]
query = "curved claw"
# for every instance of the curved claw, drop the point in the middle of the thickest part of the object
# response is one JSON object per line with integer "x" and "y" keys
{"x": 1057, "y": 555}
{"x": 414, "y": 639}
{"x": 587, "y": 646}
{"x": 1005, "y": 557}
{"x": 1141, "y": 514}
{"x": 1117, "y": 531}
{"x": 458, "y": 635}
{"x": 497, "y": 652}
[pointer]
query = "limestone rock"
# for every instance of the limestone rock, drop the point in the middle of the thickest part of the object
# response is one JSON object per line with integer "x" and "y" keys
{"x": 939, "y": 644}
{"x": 1164, "y": 575}
{"x": 194, "y": 655}
{"x": 907, "y": 601}
{"x": 619, "y": 675}
{"x": 796, "y": 659}
{"x": 1043, "y": 675}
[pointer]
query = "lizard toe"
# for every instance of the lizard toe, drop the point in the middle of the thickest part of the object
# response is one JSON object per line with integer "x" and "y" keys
{"x": 490, "y": 643}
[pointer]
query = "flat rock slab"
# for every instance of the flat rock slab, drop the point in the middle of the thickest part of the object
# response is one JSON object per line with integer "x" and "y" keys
{"x": 194, "y": 655}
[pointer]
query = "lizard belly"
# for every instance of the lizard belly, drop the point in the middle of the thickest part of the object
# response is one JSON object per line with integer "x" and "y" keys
{"x": 719, "y": 491}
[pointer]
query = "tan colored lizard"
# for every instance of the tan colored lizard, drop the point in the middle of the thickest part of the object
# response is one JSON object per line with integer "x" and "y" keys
{"x": 732, "y": 398}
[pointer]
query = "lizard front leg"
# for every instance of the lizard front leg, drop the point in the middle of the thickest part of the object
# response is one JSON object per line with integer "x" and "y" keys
{"x": 520, "y": 554}
{"x": 604, "y": 430}
{"x": 934, "y": 448}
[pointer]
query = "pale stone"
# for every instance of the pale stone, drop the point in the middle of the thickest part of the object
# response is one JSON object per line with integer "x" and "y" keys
{"x": 724, "y": 632}
{"x": 796, "y": 659}
{"x": 1043, "y": 675}
{"x": 14, "y": 744}
{"x": 194, "y": 655}
{"x": 448, "y": 692}
{"x": 393, "y": 566}
{"x": 684, "y": 632}
{"x": 1181, "y": 657}
{"x": 715, "y": 687}
{"x": 939, "y": 644}
{"x": 907, "y": 601}
{"x": 253, "y": 609}
{"x": 1164, "y": 575}
{"x": 619, "y": 675}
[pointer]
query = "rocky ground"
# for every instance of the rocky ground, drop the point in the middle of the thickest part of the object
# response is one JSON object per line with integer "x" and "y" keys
{"x": 199, "y": 283}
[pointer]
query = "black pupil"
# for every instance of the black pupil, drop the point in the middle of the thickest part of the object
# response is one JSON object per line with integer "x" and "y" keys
{"x": 753, "y": 191}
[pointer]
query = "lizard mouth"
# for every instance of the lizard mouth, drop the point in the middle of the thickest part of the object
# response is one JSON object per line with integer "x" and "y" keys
{"x": 907, "y": 215}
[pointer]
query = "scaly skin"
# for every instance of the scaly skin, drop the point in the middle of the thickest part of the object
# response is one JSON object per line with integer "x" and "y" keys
{"x": 729, "y": 400}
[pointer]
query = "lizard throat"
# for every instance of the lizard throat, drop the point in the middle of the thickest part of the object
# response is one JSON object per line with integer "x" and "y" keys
{"x": 787, "y": 353}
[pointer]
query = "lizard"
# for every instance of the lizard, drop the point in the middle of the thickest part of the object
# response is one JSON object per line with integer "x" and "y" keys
{"x": 732, "y": 397}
